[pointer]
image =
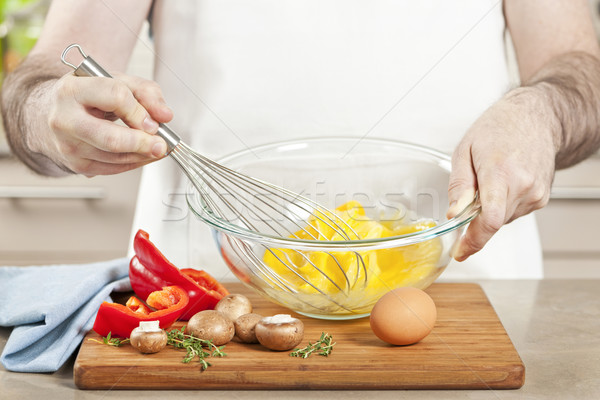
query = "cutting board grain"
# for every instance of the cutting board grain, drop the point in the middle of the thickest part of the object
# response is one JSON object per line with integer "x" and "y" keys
{"x": 467, "y": 349}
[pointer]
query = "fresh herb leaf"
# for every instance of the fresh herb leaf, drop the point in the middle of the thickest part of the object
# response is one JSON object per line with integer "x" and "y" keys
{"x": 194, "y": 347}
{"x": 110, "y": 341}
{"x": 322, "y": 347}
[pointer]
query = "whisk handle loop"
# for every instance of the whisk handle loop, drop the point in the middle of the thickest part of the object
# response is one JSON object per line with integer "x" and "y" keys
{"x": 89, "y": 67}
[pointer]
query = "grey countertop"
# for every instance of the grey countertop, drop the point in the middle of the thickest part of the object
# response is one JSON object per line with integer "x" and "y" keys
{"x": 554, "y": 325}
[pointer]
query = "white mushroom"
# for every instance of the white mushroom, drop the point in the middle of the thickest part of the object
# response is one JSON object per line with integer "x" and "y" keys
{"x": 211, "y": 325}
{"x": 279, "y": 332}
{"x": 148, "y": 337}
{"x": 234, "y": 306}
{"x": 245, "y": 327}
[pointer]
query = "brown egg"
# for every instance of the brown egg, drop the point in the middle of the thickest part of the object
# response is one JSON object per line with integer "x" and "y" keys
{"x": 403, "y": 316}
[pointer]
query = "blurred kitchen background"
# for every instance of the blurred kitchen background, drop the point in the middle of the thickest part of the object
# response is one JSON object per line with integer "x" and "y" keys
{"x": 76, "y": 219}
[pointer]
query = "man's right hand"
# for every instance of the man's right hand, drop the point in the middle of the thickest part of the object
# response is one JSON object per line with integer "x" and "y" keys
{"x": 82, "y": 134}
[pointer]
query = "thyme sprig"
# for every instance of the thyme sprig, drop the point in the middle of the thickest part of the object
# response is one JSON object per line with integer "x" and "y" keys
{"x": 322, "y": 347}
{"x": 111, "y": 341}
{"x": 177, "y": 338}
{"x": 194, "y": 347}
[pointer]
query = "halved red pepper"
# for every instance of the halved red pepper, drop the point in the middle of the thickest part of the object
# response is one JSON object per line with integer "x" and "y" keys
{"x": 150, "y": 270}
{"x": 120, "y": 319}
{"x": 135, "y": 305}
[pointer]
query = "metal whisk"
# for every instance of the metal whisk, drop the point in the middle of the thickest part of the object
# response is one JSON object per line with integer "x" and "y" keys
{"x": 253, "y": 204}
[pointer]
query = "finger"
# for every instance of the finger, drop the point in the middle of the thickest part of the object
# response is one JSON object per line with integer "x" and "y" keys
{"x": 102, "y": 114}
{"x": 72, "y": 150}
{"x": 89, "y": 152}
{"x": 493, "y": 194}
{"x": 108, "y": 136}
{"x": 466, "y": 197}
{"x": 92, "y": 167}
{"x": 462, "y": 183}
{"x": 534, "y": 201}
{"x": 114, "y": 96}
{"x": 119, "y": 139}
{"x": 149, "y": 95}
{"x": 528, "y": 192}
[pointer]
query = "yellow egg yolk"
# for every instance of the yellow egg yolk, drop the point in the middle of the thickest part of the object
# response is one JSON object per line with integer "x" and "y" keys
{"x": 344, "y": 271}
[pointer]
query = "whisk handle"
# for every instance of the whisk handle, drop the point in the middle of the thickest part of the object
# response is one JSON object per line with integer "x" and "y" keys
{"x": 89, "y": 67}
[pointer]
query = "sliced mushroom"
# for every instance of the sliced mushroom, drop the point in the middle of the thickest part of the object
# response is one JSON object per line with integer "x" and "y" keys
{"x": 148, "y": 338}
{"x": 279, "y": 332}
{"x": 211, "y": 325}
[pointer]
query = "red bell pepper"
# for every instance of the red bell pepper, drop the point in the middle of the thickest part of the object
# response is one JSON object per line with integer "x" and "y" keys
{"x": 120, "y": 319}
{"x": 150, "y": 270}
{"x": 135, "y": 305}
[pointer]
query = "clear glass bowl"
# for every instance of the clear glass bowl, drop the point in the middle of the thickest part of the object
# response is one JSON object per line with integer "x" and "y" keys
{"x": 402, "y": 188}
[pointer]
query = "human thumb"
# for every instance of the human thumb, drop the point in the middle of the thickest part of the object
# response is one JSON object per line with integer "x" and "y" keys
{"x": 462, "y": 183}
{"x": 464, "y": 199}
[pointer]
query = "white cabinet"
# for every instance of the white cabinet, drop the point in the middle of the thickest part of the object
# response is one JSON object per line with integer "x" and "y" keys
{"x": 569, "y": 224}
{"x": 73, "y": 219}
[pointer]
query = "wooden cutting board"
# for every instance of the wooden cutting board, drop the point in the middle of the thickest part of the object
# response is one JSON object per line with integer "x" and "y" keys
{"x": 467, "y": 349}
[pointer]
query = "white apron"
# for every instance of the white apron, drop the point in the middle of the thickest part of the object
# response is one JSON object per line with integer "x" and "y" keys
{"x": 239, "y": 73}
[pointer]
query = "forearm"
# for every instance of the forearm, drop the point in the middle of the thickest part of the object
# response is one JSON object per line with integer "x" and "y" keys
{"x": 25, "y": 113}
{"x": 108, "y": 30}
{"x": 510, "y": 153}
{"x": 569, "y": 87}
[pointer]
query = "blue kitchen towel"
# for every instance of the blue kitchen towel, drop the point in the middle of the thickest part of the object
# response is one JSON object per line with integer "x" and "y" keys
{"x": 52, "y": 308}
